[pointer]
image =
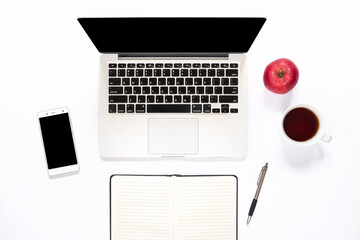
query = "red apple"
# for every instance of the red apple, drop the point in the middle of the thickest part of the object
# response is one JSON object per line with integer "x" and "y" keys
{"x": 281, "y": 76}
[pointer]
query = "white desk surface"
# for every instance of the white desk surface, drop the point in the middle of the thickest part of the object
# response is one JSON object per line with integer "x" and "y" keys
{"x": 47, "y": 61}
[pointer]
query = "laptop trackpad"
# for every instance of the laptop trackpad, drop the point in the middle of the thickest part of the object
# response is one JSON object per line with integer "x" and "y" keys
{"x": 173, "y": 136}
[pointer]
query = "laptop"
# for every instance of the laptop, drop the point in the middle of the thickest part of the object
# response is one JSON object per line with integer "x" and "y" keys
{"x": 173, "y": 87}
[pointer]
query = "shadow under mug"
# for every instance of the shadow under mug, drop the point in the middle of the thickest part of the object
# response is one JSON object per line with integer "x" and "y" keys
{"x": 320, "y": 133}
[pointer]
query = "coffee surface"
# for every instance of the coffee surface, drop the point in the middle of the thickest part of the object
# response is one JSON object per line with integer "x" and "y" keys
{"x": 301, "y": 124}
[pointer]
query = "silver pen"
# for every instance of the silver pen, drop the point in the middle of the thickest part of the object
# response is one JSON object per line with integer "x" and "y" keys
{"x": 259, "y": 183}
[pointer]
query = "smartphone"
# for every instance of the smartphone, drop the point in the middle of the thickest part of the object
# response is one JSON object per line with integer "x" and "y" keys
{"x": 57, "y": 136}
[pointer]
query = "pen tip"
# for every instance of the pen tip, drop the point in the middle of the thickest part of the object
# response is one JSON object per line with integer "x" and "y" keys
{"x": 248, "y": 220}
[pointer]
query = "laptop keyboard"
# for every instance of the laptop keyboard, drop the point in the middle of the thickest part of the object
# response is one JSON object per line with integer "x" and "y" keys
{"x": 173, "y": 88}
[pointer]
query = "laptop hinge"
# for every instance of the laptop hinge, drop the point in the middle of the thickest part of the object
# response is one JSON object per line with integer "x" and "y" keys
{"x": 173, "y": 55}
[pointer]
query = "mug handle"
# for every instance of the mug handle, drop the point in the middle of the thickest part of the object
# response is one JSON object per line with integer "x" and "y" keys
{"x": 326, "y": 138}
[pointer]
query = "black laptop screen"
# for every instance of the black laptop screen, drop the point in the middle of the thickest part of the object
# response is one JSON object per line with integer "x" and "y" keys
{"x": 172, "y": 35}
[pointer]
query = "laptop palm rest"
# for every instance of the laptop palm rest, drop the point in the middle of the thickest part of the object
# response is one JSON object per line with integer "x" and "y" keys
{"x": 173, "y": 136}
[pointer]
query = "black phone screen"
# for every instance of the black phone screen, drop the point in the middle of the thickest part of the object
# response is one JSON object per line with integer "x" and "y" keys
{"x": 58, "y": 140}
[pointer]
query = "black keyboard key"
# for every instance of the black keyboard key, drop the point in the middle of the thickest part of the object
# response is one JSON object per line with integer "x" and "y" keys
{"x": 224, "y": 108}
{"x": 126, "y": 81}
{"x": 231, "y": 72}
{"x": 134, "y": 81}
{"x": 202, "y": 72}
{"x": 233, "y": 65}
{"x": 168, "y": 65}
{"x": 161, "y": 81}
{"x": 211, "y": 72}
{"x": 157, "y": 72}
{"x": 234, "y": 110}
{"x": 216, "y": 81}
{"x": 131, "y": 65}
{"x": 112, "y": 108}
{"x": 200, "y": 90}
{"x": 121, "y": 72}
{"x": 130, "y": 108}
{"x": 149, "y": 65}
{"x": 121, "y": 108}
{"x": 114, "y": 81}
{"x": 220, "y": 73}
{"x": 234, "y": 81}
{"x": 171, "y": 81}
{"x": 164, "y": 90}
{"x": 224, "y": 81}
{"x": 168, "y": 108}
{"x": 112, "y": 65}
{"x": 152, "y": 81}
{"x": 173, "y": 90}
{"x": 197, "y": 108}
{"x": 218, "y": 90}
{"x": 128, "y": 90}
{"x": 159, "y": 99}
{"x": 177, "y": 99}
{"x": 140, "y": 65}
{"x": 195, "y": 98}
{"x": 139, "y": 72}
{"x": 175, "y": 72}
{"x": 230, "y": 90}
{"x": 209, "y": 90}
{"x": 205, "y": 65}
{"x": 140, "y": 108}
{"x": 207, "y": 81}
{"x": 132, "y": 99}
{"x": 191, "y": 90}
{"x": 188, "y": 81}
{"x": 168, "y": 99}
{"x": 166, "y": 72}
{"x": 146, "y": 90}
{"x": 204, "y": 99}
{"x": 216, "y": 110}
{"x": 117, "y": 99}
{"x": 130, "y": 72}
{"x": 148, "y": 72}
{"x": 121, "y": 65}
{"x": 215, "y": 65}
{"x": 182, "y": 90}
{"x": 178, "y": 65}
{"x": 154, "y": 90}
{"x": 112, "y": 72}
{"x": 196, "y": 65}
{"x": 143, "y": 81}
{"x": 207, "y": 108}
{"x": 159, "y": 65}
{"x": 224, "y": 65}
{"x": 186, "y": 99}
{"x": 213, "y": 99}
{"x": 197, "y": 81}
{"x": 115, "y": 90}
{"x": 141, "y": 99}
{"x": 150, "y": 99}
{"x": 184, "y": 72}
{"x": 179, "y": 81}
{"x": 228, "y": 99}
{"x": 187, "y": 65}
{"x": 193, "y": 72}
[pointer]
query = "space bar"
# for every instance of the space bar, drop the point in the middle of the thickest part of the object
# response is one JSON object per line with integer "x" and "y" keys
{"x": 168, "y": 108}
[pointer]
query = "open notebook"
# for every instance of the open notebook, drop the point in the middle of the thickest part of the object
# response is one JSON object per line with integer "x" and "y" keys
{"x": 173, "y": 207}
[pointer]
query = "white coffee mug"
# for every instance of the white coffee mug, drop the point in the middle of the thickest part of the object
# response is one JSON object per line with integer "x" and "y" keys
{"x": 319, "y": 135}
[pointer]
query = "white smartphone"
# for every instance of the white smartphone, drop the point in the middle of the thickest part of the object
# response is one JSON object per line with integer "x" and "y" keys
{"x": 58, "y": 141}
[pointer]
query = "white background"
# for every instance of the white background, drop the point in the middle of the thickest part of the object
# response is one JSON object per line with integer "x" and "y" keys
{"x": 47, "y": 61}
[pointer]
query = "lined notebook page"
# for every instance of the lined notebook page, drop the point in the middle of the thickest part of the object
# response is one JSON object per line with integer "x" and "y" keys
{"x": 205, "y": 208}
{"x": 141, "y": 208}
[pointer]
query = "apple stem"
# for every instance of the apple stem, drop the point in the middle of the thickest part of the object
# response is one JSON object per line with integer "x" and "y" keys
{"x": 280, "y": 73}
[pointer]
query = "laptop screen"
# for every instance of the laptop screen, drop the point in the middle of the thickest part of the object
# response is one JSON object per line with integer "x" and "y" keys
{"x": 172, "y": 35}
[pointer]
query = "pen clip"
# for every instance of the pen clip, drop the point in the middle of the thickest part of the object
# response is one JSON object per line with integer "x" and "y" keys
{"x": 262, "y": 169}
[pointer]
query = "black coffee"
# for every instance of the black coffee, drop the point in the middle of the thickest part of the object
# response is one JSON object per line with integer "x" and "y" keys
{"x": 301, "y": 124}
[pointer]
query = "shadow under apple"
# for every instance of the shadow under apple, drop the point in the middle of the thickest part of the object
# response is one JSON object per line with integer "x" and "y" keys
{"x": 277, "y": 102}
